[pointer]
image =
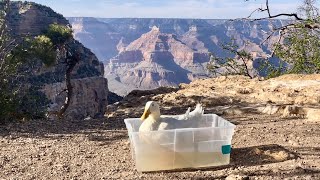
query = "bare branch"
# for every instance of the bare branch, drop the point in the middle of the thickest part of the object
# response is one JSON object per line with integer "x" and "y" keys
{"x": 64, "y": 90}
{"x": 295, "y": 15}
{"x": 279, "y": 15}
{"x": 268, "y": 9}
{"x": 281, "y": 34}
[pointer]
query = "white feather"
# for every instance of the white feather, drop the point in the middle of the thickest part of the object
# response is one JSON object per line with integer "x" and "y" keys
{"x": 155, "y": 121}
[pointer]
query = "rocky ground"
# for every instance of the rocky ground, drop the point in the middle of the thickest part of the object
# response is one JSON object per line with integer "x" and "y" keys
{"x": 272, "y": 140}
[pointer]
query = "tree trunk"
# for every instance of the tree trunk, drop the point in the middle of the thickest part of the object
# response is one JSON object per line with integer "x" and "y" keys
{"x": 74, "y": 59}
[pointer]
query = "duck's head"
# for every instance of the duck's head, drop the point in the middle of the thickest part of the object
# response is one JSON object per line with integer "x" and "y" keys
{"x": 151, "y": 109}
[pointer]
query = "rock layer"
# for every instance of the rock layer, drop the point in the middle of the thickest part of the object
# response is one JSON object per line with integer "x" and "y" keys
{"x": 89, "y": 85}
{"x": 156, "y": 59}
{"x": 179, "y": 46}
{"x": 89, "y": 99}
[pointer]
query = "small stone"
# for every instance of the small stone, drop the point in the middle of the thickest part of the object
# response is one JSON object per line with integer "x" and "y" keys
{"x": 237, "y": 177}
{"x": 291, "y": 155}
{"x": 275, "y": 170}
{"x": 295, "y": 144}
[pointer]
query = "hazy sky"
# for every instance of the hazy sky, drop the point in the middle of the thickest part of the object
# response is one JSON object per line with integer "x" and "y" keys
{"x": 165, "y": 8}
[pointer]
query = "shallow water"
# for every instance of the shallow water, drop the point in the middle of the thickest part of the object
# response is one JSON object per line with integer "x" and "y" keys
{"x": 168, "y": 160}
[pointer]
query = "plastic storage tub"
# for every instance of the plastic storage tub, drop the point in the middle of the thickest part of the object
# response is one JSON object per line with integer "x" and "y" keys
{"x": 205, "y": 146}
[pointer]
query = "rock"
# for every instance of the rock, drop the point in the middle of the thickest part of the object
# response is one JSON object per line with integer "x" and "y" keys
{"x": 270, "y": 109}
{"x": 114, "y": 98}
{"x": 34, "y": 20}
{"x": 293, "y": 111}
{"x": 245, "y": 90}
{"x": 90, "y": 88}
{"x": 186, "y": 43}
{"x": 233, "y": 111}
{"x": 313, "y": 115}
{"x": 89, "y": 99}
{"x": 155, "y": 59}
{"x": 237, "y": 177}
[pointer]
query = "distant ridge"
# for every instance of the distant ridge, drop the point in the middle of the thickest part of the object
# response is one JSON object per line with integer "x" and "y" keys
{"x": 114, "y": 41}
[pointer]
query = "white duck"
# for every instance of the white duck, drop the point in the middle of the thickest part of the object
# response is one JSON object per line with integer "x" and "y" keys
{"x": 153, "y": 120}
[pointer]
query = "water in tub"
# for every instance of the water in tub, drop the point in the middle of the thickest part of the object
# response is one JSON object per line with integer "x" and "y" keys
{"x": 165, "y": 158}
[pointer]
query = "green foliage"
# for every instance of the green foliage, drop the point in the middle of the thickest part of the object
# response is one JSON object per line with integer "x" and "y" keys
{"x": 271, "y": 70}
{"x": 8, "y": 104}
{"x": 42, "y": 48}
{"x": 301, "y": 49}
{"x": 59, "y": 34}
{"x": 29, "y": 49}
{"x": 32, "y": 104}
{"x": 236, "y": 62}
{"x": 18, "y": 98}
{"x": 301, "y": 45}
{"x": 298, "y": 48}
{"x": 21, "y": 102}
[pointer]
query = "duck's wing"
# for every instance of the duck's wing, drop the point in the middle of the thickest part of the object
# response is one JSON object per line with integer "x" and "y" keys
{"x": 170, "y": 122}
{"x": 179, "y": 117}
{"x": 187, "y": 120}
{"x": 197, "y": 112}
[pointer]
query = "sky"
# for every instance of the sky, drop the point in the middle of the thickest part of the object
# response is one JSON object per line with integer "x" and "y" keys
{"x": 203, "y": 9}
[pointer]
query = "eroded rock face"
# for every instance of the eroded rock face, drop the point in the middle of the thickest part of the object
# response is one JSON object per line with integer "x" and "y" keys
{"x": 32, "y": 19}
{"x": 89, "y": 99}
{"x": 89, "y": 86}
{"x": 124, "y": 43}
{"x": 156, "y": 59}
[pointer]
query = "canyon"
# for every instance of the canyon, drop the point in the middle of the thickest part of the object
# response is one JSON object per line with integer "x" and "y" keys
{"x": 146, "y": 53}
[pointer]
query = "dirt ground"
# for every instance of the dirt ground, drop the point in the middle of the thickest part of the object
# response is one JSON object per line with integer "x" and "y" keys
{"x": 264, "y": 146}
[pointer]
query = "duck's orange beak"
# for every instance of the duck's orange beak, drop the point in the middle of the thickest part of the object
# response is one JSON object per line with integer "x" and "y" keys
{"x": 145, "y": 114}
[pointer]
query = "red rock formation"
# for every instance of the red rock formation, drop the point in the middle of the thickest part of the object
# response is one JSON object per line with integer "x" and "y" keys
{"x": 156, "y": 59}
{"x": 155, "y": 46}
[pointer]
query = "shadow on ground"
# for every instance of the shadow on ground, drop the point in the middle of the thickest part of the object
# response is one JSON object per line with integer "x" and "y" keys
{"x": 258, "y": 156}
{"x": 253, "y": 156}
{"x": 95, "y": 130}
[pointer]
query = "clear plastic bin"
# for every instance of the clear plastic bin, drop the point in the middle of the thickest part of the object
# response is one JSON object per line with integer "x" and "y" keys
{"x": 205, "y": 146}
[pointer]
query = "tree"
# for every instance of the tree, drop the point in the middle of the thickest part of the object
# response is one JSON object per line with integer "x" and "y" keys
{"x": 298, "y": 43}
{"x": 7, "y": 101}
{"x": 297, "y": 46}
{"x": 18, "y": 58}
{"x": 18, "y": 99}
{"x": 237, "y": 62}
{"x": 5, "y": 41}
{"x": 61, "y": 37}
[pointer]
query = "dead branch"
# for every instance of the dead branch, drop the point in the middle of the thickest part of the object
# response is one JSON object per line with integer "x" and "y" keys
{"x": 295, "y": 15}
{"x": 64, "y": 90}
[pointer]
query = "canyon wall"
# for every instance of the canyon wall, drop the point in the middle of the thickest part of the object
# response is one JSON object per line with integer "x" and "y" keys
{"x": 90, "y": 88}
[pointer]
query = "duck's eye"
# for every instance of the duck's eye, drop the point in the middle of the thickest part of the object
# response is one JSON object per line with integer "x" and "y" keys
{"x": 152, "y": 105}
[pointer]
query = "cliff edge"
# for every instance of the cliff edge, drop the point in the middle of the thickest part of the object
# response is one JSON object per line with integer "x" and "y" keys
{"x": 89, "y": 86}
